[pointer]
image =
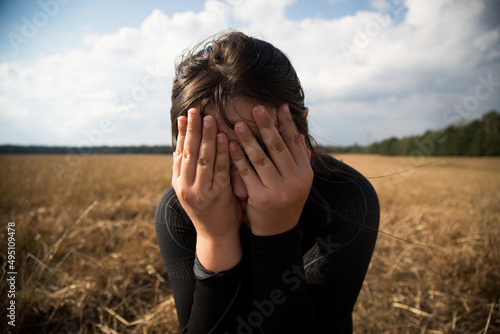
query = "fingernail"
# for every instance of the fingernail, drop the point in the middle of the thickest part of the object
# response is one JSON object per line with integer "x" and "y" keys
{"x": 180, "y": 121}
{"x": 220, "y": 137}
{"x": 207, "y": 122}
{"x": 233, "y": 146}
{"x": 260, "y": 111}
{"x": 240, "y": 127}
{"x": 285, "y": 108}
{"x": 191, "y": 113}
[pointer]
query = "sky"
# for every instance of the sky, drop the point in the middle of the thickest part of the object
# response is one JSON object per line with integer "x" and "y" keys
{"x": 92, "y": 73}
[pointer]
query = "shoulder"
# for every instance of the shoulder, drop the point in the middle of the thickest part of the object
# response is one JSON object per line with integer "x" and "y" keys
{"x": 168, "y": 199}
{"x": 340, "y": 243}
{"x": 176, "y": 236}
{"x": 169, "y": 209}
{"x": 338, "y": 169}
{"x": 342, "y": 183}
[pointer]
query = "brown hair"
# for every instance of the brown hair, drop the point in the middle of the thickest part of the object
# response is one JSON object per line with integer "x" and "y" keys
{"x": 236, "y": 65}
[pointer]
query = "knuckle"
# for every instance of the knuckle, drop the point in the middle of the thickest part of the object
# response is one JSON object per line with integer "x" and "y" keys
{"x": 207, "y": 135}
{"x": 194, "y": 200}
{"x": 192, "y": 129}
{"x": 187, "y": 155}
{"x": 178, "y": 153}
{"x": 239, "y": 158}
{"x": 267, "y": 124}
{"x": 210, "y": 191}
{"x": 278, "y": 147}
{"x": 261, "y": 161}
{"x": 245, "y": 171}
{"x": 296, "y": 139}
{"x": 184, "y": 195}
{"x": 200, "y": 202}
{"x": 219, "y": 169}
{"x": 190, "y": 133}
{"x": 222, "y": 179}
{"x": 203, "y": 162}
{"x": 247, "y": 140}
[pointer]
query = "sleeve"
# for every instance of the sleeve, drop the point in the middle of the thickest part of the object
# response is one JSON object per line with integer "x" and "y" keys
{"x": 337, "y": 263}
{"x": 282, "y": 303}
{"x": 314, "y": 290}
{"x": 205, "y": 302}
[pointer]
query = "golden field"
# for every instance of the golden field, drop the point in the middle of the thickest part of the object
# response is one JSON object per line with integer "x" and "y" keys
{"x": 87, "y": 259}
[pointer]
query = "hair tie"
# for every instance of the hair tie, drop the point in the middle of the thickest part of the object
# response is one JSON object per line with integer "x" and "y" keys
{"x": 208, "y": 48}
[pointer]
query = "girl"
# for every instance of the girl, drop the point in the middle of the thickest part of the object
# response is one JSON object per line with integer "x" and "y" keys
{"x": 260, "y": 233}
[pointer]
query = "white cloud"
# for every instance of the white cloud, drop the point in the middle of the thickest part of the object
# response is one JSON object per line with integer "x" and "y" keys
{"x": 9, "y": 108}
{"x": 379, "y": 5}
{"x": 270, "y": 12}
{"x": 364, "y": 74}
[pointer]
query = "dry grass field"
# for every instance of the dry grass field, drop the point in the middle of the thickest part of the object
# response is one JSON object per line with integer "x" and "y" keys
{"x": 87, "y": 259}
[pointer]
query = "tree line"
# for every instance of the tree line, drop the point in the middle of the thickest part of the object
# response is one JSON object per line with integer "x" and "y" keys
{"x": 15, "y": 149}
{"x": 479, "y": 137}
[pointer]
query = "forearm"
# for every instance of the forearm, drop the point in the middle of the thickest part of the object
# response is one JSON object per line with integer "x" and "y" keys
{"x": 217, "y": 301}
{"x": 218, "y": 254}
{"x": 278, "y": 284}
{"x": 218, "y": 290}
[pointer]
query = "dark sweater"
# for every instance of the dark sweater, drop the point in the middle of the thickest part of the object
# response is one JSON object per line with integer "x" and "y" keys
{"x": 305, "y": 280}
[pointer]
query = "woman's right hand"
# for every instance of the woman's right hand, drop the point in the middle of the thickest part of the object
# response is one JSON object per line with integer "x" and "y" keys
{"x": 202, "y": 183}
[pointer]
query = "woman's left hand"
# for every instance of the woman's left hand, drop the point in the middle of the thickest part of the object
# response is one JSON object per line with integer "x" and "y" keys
{"x": 278, "y": 185}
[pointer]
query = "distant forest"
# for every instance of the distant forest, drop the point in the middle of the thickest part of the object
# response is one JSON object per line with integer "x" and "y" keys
{"x": 477, "y": 138}
{"x": 84, "y": 150}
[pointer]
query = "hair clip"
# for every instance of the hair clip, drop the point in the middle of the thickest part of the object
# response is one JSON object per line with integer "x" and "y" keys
{"x": 208, "y": 48}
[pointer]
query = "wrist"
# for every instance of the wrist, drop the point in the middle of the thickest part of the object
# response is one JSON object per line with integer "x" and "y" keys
{"x": 273, "y": 228}
{"x": 219, "y": 253}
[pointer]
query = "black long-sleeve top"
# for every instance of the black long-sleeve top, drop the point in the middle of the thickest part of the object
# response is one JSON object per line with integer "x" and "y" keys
{"x": 305, "y": 280}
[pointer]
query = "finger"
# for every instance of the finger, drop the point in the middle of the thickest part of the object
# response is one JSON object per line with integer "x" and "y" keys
{"x": 292, "y": 137}
{"x": 276, "y": 147}
{"x": 306, "y": 149}
{"x": 181, "y": 127}
{"x": 261, "y": 162}
{"x": 247, "y": 173}
{"x": 191, "y": 145}
{"x": 222, "y": 162}
{"x": 205, "y": 166}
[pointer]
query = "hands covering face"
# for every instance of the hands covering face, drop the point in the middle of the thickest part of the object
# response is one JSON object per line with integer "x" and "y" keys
{"x": 201, "y": 177}
{"x": 278, "y": 183}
